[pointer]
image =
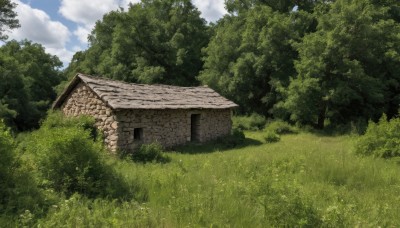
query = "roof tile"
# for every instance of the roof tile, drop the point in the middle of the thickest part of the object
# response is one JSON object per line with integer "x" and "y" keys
{"x": 122, "y": 95}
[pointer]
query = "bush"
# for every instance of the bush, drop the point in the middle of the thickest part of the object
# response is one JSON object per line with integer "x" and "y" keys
{"x": 149, "y": 153}
{"x": 18, "y": 190}
{"x": 69, "y": 160}
{"x": 236, "y": 138}
{"x": 381, "y": 139}
{"x": 56, "y": 119}
{"x": 6, "y": 163}
{"x": 281, "y": 127}
{"x": 253, "y": 122}
{"x": 356, "y": 127}
{"x": 271, "y": 137}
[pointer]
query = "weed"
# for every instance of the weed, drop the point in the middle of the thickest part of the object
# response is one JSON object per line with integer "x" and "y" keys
{"x": 150, "y": 153}
{"x": 271, "y": 137}
{"x": 253, "y": 122}
{"x": 281, "y": 127}
{"x": 381, "y": 139}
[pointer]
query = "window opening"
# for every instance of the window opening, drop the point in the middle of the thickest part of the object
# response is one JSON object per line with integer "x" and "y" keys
{"x": 137, "y": 133}
{"x": 195, "y": 127}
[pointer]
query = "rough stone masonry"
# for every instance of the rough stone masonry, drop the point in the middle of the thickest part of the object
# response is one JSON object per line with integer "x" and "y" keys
{"x": 132, "y": 114}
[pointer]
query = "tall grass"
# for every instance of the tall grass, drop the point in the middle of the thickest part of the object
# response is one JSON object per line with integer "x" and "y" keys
{"x": 303, "y": 180}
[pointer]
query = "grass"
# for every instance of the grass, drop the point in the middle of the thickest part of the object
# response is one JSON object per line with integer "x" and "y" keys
{"x": 303, "y": 180}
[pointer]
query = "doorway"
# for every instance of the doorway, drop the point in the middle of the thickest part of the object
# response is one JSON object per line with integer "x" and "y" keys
{"x": 195, "y": 127}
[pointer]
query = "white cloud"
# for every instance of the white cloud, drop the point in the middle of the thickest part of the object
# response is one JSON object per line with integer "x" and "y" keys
{"x": 82, "y": 33}
{"x": 86, "y": 13}
{"x": 211, "y": 10}
{"x": 37, "y": 26}
{"x": 63, "y": 54}
{"x": 125, "y": 3}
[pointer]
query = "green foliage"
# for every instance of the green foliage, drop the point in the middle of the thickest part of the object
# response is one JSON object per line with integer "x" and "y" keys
{"x": 281, "y": 127}
{"x": 152, "y": 42}
{"x": 271, "y": 136}
{"x": 70, "y": 161}
{"x": 238, "y": 135}
{"x": 381, "y": 139}
{"x": 18, "y": 190}
{"x": 355, "y": 127}
{"x": 79, "y": 211}
{"x": 284, "y": 206}
{"x": 56, "y": 119}
{"x": 251, "y": 54}
{"x": 241, "y": 6}
{"x": 235, "y": 139}
{"x": 342, "y": 75}
{"x": 329, "y": 63}
{"x": 6, "y": 164}
{"x": 152, "y": 152}
{"x": 8, "y": 18}
{"x": 253, "y": 122}
{"x": 28, "y": 75}
{"x": 305, "y": 180}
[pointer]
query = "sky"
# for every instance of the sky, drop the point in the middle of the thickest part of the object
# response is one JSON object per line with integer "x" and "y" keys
{"x": 62, "y": 26}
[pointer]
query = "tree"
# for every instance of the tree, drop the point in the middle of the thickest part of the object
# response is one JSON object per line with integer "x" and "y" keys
{"x": 28, "y": 75}
{"x": 283, "y": 6}
{"x": 153, "y": 42}
{"x": 251, "y": 54}
{"x": 349, "y": 68}
{"x": 7, "y": 17}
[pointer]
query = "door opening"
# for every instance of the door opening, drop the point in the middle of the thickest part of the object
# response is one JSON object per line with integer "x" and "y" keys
{"x": 195, "y": 127}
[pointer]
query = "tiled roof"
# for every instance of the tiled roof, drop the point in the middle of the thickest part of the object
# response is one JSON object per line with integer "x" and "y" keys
{"x": 122, "y": 95}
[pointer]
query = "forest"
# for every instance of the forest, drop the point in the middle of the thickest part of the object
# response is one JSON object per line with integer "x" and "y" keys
{"x": 315, "y": 63}
{"x": 315, "y": 139}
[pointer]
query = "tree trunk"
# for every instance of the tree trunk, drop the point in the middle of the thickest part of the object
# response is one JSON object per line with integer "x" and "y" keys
{"x": 321, "y": 116}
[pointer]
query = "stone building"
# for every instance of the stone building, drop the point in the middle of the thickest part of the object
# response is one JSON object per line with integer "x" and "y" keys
{"x": 133, "y": 114}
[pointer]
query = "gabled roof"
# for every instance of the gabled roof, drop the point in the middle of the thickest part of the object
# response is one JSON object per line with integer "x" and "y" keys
{"x": 122, "y": 95}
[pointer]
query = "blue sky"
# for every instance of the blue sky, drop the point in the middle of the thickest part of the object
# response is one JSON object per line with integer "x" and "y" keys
{"x": 62, "y": 26}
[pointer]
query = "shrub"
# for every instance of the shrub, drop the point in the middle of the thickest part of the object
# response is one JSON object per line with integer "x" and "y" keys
{"x": 381, "y": 139}
{"x": 235, "y": 139}
{"x": 56, "y": 119}
{"x": 18, "y": 190}
{"x": 271, "y": 137}
{"x": 69, "y": 160}
{"x": 149, "y": 153}
{"x": 356, "y": 127}
{"x": 253, "y": 122}
{"x": 6, "y": 162}
{"x": 237, "y": 135}
{"x": 281, "y": 127}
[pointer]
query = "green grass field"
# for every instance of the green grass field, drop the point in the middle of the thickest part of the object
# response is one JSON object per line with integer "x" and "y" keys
{"x": 303, "y": 180}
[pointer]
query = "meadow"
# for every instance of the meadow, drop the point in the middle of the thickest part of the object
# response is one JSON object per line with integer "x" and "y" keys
{"x": 304, "y": 180}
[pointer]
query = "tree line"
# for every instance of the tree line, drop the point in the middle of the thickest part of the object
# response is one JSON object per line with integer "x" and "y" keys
{"x": 313, "y": 62}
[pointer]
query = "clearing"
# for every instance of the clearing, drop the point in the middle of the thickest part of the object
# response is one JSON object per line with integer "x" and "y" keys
{"x": 303, "y": 180}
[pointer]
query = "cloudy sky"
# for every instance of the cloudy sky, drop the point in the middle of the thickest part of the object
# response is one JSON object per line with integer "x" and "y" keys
{"x": 62, "y": 26}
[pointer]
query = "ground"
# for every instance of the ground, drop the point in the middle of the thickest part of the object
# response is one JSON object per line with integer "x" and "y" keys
{"x": 303, "y": 180}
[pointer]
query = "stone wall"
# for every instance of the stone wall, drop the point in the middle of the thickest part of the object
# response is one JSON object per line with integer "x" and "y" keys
{"x": 169, "y": 127}
{"x": 82, "y": 101}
